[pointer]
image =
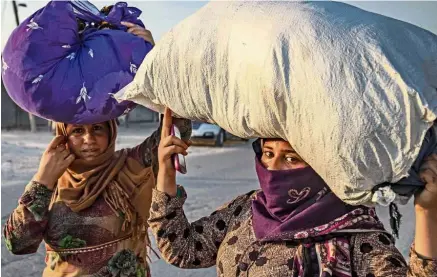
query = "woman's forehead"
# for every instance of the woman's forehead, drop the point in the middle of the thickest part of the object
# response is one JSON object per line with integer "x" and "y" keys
{"x": 276, "y": 143}
{"x": 86, "y": 125}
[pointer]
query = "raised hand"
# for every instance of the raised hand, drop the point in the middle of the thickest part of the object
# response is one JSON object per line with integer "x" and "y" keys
{"x": 426, "y": 210}
{"x": 54, "y": 161}
{"x": 140, "y": 32}
{"x": 169, "y": 146}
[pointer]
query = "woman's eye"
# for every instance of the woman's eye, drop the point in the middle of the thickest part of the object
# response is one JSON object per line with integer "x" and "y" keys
{"x": 77, "y": 131}
{"x": 268, "y": 154}
{"x": 98, "y": 127}
{"x": 291, "y": 159}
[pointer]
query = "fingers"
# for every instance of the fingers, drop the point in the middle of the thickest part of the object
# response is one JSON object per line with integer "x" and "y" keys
{"x": 431, "y": 164}
{"x": 432, "y": 157}
{"x": 430, "y": 179}
{"x": 426, "y": 175}
{"x": 128, "y": 24}
{"x": 167, "y": 122}
{"x": 427, "y": 198}
{"x": 61, "y": 148}
{"x": 139, "y": 31}
{"x": 172, "y": 140}
{"x": 134, "y": 30}
{"x": 69, "y": 159}
{"x": 56, "y": 141}
{"x": 146, "y": 37}
{"x": 64, "y": 154}
{"x": 172, "y": 145}
{"x": 169, "y": 151}
{"x": 61, "y": 151}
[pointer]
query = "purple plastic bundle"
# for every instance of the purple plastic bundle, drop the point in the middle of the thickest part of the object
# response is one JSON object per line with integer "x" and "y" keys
{"x": 58, "y": 71}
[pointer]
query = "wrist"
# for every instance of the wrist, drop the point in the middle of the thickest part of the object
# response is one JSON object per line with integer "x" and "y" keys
{"x": 43, "y": 180}
{"x": 166, "y": 183}
{"x": 426, "y": 228}
{"x": 428, "y": 217}
{"x": 166, "y": 170}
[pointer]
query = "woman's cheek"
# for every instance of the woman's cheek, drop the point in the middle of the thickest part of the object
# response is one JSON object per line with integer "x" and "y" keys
{"x": 74, "y": 145}
{"x": 103, "y": 142}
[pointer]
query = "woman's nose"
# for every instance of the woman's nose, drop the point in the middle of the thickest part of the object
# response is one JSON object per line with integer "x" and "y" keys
{"x": 89, "y": 138}
{"x": 275, "y": 164}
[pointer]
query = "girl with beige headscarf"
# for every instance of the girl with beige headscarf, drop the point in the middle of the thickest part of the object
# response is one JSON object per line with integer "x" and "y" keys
{"x": 89, "y": 203}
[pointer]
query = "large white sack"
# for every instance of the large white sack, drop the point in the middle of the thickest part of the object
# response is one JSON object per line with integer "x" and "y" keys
{"x": 353, "y": 92}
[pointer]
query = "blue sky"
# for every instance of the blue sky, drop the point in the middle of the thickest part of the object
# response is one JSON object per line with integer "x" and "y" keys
{"x": 161, "y": 16}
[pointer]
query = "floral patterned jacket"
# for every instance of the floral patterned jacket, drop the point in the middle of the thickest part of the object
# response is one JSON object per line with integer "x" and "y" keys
{"x": 91, "y": 242}
{"x": 226, "y": 239}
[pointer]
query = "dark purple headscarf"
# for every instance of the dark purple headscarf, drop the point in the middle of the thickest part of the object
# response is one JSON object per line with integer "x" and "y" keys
{"x": 293, "y": 202}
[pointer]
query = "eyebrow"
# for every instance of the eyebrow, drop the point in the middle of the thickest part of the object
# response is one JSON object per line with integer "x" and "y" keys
{"x": 285, "y": 151}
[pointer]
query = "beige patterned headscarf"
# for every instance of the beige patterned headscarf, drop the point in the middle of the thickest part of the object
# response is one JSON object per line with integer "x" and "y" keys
{"x": 123, "y": 182}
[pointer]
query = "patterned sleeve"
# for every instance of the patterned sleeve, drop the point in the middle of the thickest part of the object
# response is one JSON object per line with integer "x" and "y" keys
{"x": 188, "y": 245}
{"x": 25, "y": 227}
{"x": 421, "y": 266}
{"x": 375, "y": 254}
{"x": 147, "y": 152}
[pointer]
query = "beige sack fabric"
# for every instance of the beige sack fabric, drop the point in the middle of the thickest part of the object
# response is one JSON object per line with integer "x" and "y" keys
{"x": 353, "y": 92}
